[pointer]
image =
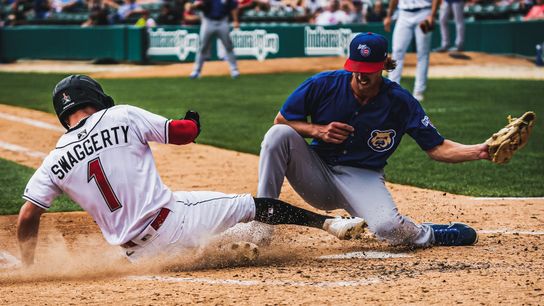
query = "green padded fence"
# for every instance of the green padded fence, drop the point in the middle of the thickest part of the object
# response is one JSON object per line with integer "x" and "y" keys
{"x": 258, "y": 41}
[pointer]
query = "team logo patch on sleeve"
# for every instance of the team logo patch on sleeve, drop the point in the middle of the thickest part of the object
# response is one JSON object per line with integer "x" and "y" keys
{"x": 426, "y": 121}
{"x": 381, "y": 141}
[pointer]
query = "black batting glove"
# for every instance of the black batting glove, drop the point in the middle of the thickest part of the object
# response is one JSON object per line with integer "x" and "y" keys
{"x": 195, "y": 117}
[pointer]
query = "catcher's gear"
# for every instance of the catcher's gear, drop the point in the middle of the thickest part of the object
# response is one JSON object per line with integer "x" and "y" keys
{"x": 194, "y": 116}
{"x": 511, "y": 138}
{"x": 426, "y": 26}
{"x": 75, "y": 92}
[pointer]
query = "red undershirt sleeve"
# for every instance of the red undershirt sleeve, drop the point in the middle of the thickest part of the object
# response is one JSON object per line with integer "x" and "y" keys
{"x": 182, "y": 131}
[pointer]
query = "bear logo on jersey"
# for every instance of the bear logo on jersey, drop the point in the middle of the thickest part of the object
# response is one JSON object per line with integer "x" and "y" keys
{"x": 381, "y": 141}
{"x": 364, "y": 50}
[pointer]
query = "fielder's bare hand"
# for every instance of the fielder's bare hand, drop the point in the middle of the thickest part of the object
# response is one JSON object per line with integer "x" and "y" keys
{"x": 334, "y": 132}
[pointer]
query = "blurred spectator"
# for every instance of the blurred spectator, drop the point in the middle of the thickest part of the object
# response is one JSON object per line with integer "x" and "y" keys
{"x": 145, "y": 20}
{"x": 314, "y": 6}
{"x": 376, "y": 13}
{"x": 129, "y": 9}
{"x": 348, "y": 8}
{"x": 536, "y": 12}
{"x": 332, "y": 15}
{"x": 190, "y": 15}
{"x": 98, "y": 14}
{"x": 293, "y": 6}
{"x": 60, "y": 6}
{"x": 17, "y": 12}
{"x": 276, "y": 5}
{"x": 41, "y": 9}
{"x": 168, "y": 16}
{"x": 256, "y": 5}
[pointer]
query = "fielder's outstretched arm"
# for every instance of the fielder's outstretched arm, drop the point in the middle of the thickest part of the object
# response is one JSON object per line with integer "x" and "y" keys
{"x": 453, "y": 152}
{"x": 28, "y": 224}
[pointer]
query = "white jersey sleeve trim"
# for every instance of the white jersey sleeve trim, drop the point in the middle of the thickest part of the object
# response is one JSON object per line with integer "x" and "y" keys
{"x": 35, "y": 202}
{"x": 166, "y": 134}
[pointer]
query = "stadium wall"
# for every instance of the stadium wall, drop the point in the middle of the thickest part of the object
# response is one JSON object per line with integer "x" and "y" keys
{"x": 128, "y": 43}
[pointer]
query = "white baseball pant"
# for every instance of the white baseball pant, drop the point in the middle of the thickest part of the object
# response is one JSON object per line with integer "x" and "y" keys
{"x": 408, "y": 24}
{"x": 195, "y": 218}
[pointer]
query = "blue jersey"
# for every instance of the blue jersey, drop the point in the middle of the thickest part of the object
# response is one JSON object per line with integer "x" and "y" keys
{"x": 379, "y": 125}
{"x": 218, "y": 9}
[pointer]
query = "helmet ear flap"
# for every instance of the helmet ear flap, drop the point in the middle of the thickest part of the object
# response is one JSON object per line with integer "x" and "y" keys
{"x": 108, "y": 101}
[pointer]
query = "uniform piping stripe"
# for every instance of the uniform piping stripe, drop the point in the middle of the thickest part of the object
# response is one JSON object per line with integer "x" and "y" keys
{"x": 208, "y": 200}
{"x": 35, "y": 202}
{"x": 88, "y": 133}
{"x": 166, "y": 138}
{"x": 32, "y": 122}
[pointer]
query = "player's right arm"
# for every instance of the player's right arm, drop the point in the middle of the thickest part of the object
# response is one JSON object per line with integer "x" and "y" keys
{"x": 27, "y": 231}
{"x": 301, "y": 104}
{"x": 390, "y": 10}
{"x": 334, "y": 132}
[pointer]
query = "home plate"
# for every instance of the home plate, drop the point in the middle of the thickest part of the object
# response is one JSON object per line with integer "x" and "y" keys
{"x": 366, "y": 255}
{"x": 8, "y": 261}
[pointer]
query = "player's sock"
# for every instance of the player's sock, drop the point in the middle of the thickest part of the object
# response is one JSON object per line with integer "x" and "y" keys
{"x": 273, "y": 211}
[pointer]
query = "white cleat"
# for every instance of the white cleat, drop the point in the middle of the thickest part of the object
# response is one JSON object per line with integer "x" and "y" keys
{"x": 345, "y": 228}
{"x": 241, "y": 251}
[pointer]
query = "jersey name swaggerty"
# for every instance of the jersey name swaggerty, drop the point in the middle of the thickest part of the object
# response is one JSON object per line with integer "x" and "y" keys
{"x": 105, "y": 165}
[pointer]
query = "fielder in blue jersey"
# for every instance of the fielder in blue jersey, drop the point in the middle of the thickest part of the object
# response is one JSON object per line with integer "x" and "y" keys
{"x": 357, "y": 119}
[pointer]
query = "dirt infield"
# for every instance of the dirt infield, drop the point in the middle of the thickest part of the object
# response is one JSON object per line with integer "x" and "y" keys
{"x": 76, "y": 266}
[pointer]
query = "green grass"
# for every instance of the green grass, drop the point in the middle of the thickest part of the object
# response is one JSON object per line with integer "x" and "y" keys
{"x": 13, "y": 181}
{"x": 236, "y": 114}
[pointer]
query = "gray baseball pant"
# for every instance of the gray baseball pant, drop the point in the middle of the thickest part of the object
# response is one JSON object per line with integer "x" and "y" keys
{"x": 361, "y": 192}
{"x": 458, "y": 11}
{"x": 208, "y": 30}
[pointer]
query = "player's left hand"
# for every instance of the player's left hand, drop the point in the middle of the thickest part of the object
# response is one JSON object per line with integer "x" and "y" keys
{"x": 195, "y": 117}
{"x": 236, "y": 24}
{"x": 484, "y": 151}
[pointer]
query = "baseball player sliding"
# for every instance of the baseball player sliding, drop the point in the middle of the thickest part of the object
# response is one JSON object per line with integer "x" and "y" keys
{"x": 357, "y": 120}
{"x": 104, "y": 163}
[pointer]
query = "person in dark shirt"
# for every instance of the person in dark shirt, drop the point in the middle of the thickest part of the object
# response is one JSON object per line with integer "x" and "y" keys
{"x": 168, "y": 16}
{"x": 357, "y": 121}
{"x": 215, "y": 23}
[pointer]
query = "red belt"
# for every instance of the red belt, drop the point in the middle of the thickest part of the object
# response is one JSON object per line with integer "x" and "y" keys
{"x": 155, "y": 224}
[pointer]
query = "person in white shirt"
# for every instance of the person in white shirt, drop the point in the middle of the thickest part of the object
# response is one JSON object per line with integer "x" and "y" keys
{"x": 332, "y": 15}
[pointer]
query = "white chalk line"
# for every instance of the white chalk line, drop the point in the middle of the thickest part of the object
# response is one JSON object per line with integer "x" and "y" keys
{"x": 507, "y": 199}
{"x": 366, "y": 255}
{"x": 15, "y": 148}
{"x": 249, "y": 282}
{"x": 510, "y": 232}
{"x": 32, "y": 122}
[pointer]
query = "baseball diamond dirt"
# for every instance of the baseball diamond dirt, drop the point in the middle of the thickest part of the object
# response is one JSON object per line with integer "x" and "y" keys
{"x": 300, "y": 266}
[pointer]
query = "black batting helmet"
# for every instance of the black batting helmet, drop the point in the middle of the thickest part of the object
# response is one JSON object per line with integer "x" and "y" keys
{"x": 75, "y": 92}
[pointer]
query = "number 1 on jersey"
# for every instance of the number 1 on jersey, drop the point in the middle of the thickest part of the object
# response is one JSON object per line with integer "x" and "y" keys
{"x": 96, "y": 172}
